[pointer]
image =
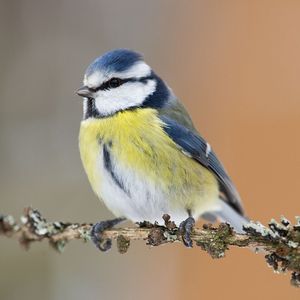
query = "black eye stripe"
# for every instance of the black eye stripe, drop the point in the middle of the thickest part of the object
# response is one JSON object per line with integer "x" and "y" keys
{"x": 107, "y": 84}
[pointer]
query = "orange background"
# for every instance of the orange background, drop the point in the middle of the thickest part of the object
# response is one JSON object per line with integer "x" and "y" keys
{"x": 236, "y": 66}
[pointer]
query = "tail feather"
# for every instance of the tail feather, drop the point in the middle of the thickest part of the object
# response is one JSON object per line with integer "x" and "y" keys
{"x": 231, "y": 216}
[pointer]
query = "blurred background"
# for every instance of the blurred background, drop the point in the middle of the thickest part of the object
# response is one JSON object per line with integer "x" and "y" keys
{"x": 235, "y": 65}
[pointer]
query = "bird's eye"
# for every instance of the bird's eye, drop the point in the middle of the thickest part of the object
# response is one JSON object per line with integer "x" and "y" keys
{"x": 110, "y": 84}
{"x": 114, "y": 82}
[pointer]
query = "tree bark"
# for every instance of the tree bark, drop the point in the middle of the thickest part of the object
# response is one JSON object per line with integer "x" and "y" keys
{"x": 279, "y": 241}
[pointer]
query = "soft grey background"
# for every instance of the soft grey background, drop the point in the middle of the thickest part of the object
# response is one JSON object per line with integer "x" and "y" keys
{"x": 45, "y": 48}
{"x": 236, "y": 66}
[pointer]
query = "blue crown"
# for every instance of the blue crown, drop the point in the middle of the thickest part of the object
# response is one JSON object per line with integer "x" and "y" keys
{"x": 117, "y": 60}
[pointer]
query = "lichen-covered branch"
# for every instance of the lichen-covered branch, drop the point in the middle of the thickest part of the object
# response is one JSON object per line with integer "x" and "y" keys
{"x": 280, "y": 241}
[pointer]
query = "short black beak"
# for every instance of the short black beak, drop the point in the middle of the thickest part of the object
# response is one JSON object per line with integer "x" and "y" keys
{"x": 84, "y": 92}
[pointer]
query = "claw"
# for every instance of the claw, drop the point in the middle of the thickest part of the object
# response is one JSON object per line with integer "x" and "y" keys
{"x": 103, "y": 244}
{"x": 185, "y": 229}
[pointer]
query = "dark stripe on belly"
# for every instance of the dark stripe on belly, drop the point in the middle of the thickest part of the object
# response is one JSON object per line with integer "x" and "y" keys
{"x": 108, "y": 167}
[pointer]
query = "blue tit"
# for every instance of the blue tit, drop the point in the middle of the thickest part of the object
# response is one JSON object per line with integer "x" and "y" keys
{"x": 141, "y": 152}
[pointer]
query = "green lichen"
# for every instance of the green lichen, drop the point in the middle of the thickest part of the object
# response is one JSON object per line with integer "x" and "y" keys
{"x": 216, "y": 241}
{"x": 123, "y": 244}
{"x": 85, "y": 234}
{"x": 59, "y": 245}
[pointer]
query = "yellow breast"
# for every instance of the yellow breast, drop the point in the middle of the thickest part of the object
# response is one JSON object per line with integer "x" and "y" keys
{"x": 140, "y": 143}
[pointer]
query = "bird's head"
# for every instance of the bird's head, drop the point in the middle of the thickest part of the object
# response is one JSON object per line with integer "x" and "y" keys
{"x": 120, "y": 80}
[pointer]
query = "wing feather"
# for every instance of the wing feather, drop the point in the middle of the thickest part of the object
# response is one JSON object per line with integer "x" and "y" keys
{"x": 193, "y": 145}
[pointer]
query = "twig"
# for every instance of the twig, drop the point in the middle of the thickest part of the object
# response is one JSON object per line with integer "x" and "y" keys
{"x": 279, "y": 241}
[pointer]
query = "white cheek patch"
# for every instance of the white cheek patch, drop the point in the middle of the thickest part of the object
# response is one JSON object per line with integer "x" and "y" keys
{"x": 125, "y": 96}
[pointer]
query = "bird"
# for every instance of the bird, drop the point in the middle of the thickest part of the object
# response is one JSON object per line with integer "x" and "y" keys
{"x": 143, "y": 155}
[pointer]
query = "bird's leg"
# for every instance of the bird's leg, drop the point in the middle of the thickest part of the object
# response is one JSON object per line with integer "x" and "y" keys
{"x": 101, "y": 243}
{"x": 185, "y": 229}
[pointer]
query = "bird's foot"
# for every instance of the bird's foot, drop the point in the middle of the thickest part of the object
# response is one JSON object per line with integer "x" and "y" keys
{"x": 185, "y": 229}
{"x": 103, "y": 244}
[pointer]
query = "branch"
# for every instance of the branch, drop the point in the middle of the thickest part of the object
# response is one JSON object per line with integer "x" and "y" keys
{"x": 280, "y": 242}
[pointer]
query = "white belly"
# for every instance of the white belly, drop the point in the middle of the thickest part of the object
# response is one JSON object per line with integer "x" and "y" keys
{"x": 128, "y": 193}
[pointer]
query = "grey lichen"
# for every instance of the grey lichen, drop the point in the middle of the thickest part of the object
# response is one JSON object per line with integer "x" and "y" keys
{"x": 282, "y": 245}
{"x": 59, "y": 245}
{"x": 40, "y": 226}
{"x": 295, "y": 279}
{"x": 85, "y": 234}
{"x": 258, "y": 229}
{"x": 8, "y": 224}
{"x": 293, "y": 244}
{"x": 284, "y": 221}
{"x": 297, "y": 225}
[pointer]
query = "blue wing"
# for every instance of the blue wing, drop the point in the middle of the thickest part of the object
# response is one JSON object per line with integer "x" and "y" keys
{"x": 195, "y": 146}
